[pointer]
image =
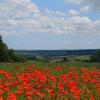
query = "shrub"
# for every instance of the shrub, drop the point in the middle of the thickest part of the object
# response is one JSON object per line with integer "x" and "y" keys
{"x": 96, "y": 57}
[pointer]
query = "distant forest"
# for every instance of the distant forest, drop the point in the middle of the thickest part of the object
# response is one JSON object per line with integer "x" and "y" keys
{"x": 10, "y": 55}
{"x": 49, "y": 53}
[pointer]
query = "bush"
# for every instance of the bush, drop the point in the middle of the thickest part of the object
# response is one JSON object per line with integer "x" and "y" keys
{"x": 96, "y": 57}
{"x": 65, "y": 59}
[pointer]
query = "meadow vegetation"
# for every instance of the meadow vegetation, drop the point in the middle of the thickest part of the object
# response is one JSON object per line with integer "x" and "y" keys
{"x": 49, "y": 81}
{"x": 44, "y": 80}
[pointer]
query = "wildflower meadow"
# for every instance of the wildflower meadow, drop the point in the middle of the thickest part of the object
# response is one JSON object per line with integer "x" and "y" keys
{"x": 49, "y": 82}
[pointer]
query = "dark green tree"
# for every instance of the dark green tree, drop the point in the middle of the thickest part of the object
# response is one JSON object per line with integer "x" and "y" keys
{"x": 7, "y": 55}
{"x": 96, "y": 57}
{"x": 4, "y": 51}
{"x": 0, "y": 38}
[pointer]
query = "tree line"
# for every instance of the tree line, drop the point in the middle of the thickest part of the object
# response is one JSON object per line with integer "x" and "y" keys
{"x": 8, "y": 55}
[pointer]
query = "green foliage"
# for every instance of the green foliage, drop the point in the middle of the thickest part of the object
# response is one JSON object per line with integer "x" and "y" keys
{"x": 93, "y": 58}
{"x": 96, "y": 57}
{"x": 4, "y": 52}
{"x": 65, "y": 59}
{"x": 7, "y": 55}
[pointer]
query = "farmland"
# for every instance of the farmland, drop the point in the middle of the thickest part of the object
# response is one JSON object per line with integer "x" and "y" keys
{"x": 50, "y": 81}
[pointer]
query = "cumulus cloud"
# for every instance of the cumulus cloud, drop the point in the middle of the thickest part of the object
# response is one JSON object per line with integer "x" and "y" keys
{"x": 73, "y": 13}
{"x": 73, "y": 1}
{"x": 24, "y": 17}
{"x": 94, "y": 4}
{"x": 85, "y": 9}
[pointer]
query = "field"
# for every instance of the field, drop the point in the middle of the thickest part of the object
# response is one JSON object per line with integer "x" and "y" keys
{"x": 50, "y": 81}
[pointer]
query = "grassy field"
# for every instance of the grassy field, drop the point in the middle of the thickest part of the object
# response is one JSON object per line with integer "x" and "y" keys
{"x": 50, "y": 81}
{"x": 79, "y": 58}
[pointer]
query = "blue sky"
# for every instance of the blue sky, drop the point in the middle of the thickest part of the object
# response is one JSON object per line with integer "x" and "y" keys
{"x": 50, "y": 24}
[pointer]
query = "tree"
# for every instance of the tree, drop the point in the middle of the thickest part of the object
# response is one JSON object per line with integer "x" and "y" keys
{"x": 15, "y": 57}
{"x": 7, "y": 55}
{"x": 4, "y": 51}
{"x": 0, "y": 38}
{"x": 96, "y": 57}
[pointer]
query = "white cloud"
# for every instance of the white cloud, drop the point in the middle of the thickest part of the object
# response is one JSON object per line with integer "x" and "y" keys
{"x": 94, "y": 4}
{"x": 54, "y": 13}
{"x": 73, "y": 13}
{"x": 24, "y": 17}
{"x": 73, "y": 1}
{"x": 85, "y": 9}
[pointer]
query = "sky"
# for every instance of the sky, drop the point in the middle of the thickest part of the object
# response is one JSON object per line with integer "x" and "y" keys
{"x": 50, "y": 24}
